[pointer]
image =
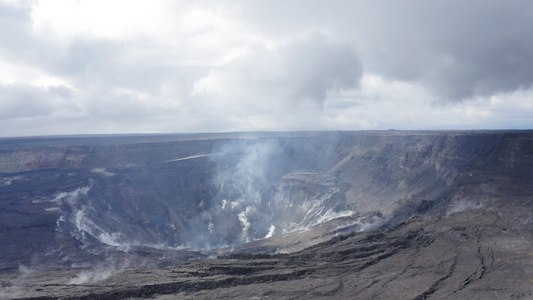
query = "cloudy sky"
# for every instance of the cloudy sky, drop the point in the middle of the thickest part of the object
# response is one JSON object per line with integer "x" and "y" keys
{"x": 117, "y": 66}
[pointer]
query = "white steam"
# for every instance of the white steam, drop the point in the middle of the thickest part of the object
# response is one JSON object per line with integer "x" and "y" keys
{"x": 364, "y": 223}
{"x": 330, "y": 215}
{"x": 103, "y": 172}
{"x": 257, "y": 199}
{"x": 260, "y": 192}
{"x": 17, "y": 286}
{"x": 243, "y": 217}
{"x": 271, "y": 231}
{"x": 464, "y": 204}
{"x": 77, "y": 219}
{"x": 91, "y": 276}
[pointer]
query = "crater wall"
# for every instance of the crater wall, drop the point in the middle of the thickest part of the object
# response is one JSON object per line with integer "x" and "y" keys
{"x": 65, "y": 201}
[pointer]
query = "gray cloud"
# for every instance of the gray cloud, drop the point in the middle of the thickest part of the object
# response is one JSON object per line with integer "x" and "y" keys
{"x": 23, "y": 101}
{"x": 106, "y": 63}
{"x": 16, "y": 38}
{"x": 18, "y": 43}
{"x": 300, "y": 71}
{"x": 316, "y": 65}
{"x": 87, "y": 61}
{"x": 258, "y": 65}
{"x": 458, "y": 49}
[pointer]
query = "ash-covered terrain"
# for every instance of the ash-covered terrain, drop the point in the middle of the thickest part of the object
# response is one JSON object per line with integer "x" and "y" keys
{"x": 305, "y": 215}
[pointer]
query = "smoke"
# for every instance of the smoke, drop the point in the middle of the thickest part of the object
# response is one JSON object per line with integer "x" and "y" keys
{"x": 243, "y": 217}
{"x": 330, "y": 215}
{"x": 271, "y": 231}
{"x": 243, "y": 178}
{"x": 103, "y": 171}
{"x": 92, "y": 276}
{"x": 264, "y": 187}
{"x": 364, "y": 223}
{"x": 253, "y": 188}
{"x": 77, "y": 219}
{"x": 16, "y": 287}
{"x": 69, "y": 196}
{"x": 87, "y": 223}
{"x": 464, "y": 204}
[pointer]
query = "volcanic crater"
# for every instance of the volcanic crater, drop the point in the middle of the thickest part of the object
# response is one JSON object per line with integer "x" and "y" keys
{"x": 268, "y": 215}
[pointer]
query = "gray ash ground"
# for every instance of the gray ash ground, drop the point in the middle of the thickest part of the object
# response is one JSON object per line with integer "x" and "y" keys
{"x": 397, "y": 215}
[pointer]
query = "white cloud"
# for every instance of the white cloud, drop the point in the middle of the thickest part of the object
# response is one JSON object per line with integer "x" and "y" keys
{"x": 24, "y": 74}
{"x": 118, "y": 19}
{"x": 170, "y": 66}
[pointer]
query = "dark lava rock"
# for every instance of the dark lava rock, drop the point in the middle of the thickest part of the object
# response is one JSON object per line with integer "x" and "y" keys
{"x": 435, "y": 216}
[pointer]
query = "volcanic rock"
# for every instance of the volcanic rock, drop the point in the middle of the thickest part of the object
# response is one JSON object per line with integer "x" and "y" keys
{"x": 327, "y": 215}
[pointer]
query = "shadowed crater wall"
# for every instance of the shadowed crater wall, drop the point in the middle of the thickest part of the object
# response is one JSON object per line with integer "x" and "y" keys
{"x": 73, "y": 202}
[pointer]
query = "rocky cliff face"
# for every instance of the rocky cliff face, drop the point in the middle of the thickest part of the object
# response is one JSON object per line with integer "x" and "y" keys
{"x": 415, "y": 214}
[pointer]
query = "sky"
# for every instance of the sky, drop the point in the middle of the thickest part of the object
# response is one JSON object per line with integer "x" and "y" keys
{"x": 167, "y": 66}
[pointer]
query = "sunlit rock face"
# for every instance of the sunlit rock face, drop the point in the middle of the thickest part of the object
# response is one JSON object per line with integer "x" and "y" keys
{"x": 76, "y": 201}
